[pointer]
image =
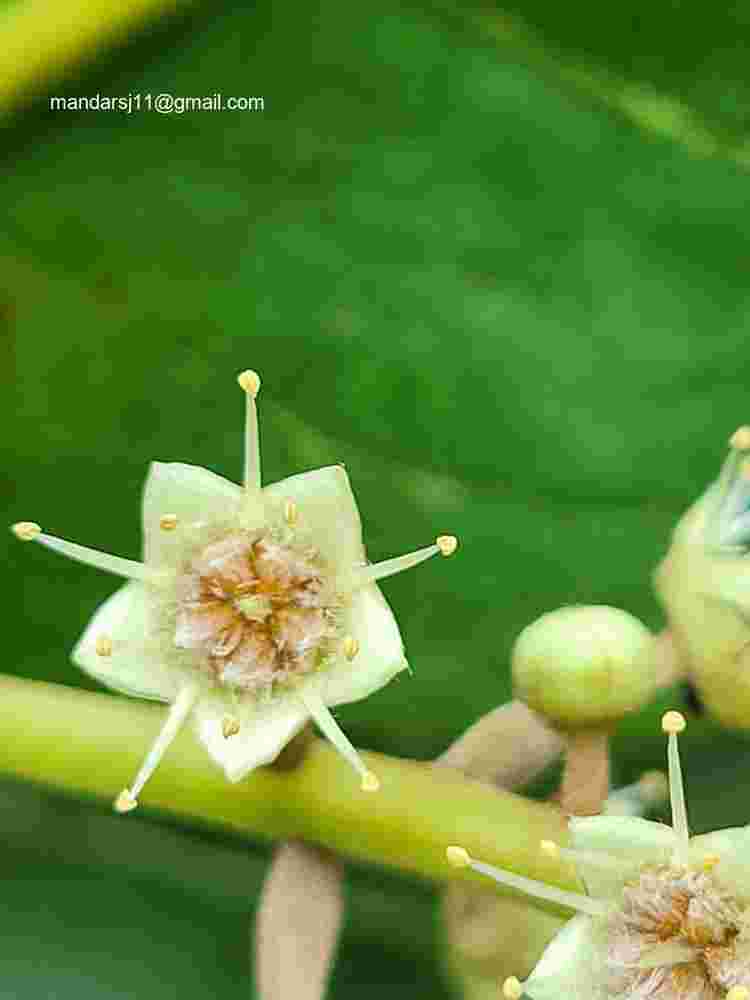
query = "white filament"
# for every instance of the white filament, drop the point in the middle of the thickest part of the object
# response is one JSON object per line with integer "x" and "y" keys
{"x": 677, "y": 800}
{"x": 129, "y": 568}
{"x": 574, "y": 900}
{"x": 252, "y": 444}
{"x": 335, "y": 735}
{"x": 178, "y": 712}
{"x": 378, "y": 571}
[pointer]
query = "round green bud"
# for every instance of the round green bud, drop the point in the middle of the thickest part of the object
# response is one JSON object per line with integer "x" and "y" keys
{"x": 584, "y": 665}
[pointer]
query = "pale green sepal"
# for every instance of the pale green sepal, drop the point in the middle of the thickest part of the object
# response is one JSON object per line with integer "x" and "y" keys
{"x": 369, "y": 619}
{"x": 194, "y": 495}
{"x": 732, "y": 847}
{"x": 327, "y": 513}
{"x": 630, "y": 839}
{"x": 134, "y": 665}
{"x": 573, "y": 964}
{"x": 264, "y": 731}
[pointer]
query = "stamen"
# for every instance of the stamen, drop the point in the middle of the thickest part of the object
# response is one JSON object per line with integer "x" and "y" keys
{"x": 447, "y": 544}
{"x": 168, "y": 522}
{"x": 103, "y": 645}
{"x": 709, "y": 862}
{"x": 673, "y": 723}
{"x": 363, "y": 575}
{"x": 740, "y": 440}
{"x": 178, "y": 712}
{"x": 28, "y": 531}
{"x": 667, "y": 953}
{"x": 512, "y": 988}
{"x": 333, "y": 732}
{"x": 291, "y": 513}
{"x": 249, "y": 382}
{"x": 125, "y": 803}
{"x": 350, "y": 647}
{"x": 577, "y": 857}
{"x": 230, "y": 726}
{"x": 460, "y": 858}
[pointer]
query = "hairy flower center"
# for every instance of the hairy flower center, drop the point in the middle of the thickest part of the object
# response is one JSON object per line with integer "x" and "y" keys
{"x": 258, "y": 609}
{"x": 678, "y": 934}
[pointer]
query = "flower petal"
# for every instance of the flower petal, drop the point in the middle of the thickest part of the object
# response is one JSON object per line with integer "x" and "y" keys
{"x": 632, "y": 840}
{"x": 133, "y": 666}
{"x": 193, "y": 495}
{"x": 732, "y": 847}
{"x": 573, "y": 965}
{"x": 370, "y": 621}
{"x": 328, "y": 510}
{"x": 264, "y": 732}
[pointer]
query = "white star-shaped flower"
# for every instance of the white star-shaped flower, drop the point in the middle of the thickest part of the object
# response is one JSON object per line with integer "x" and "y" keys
{"x": 665, "y": 916}
{"x": 253, "y": 611}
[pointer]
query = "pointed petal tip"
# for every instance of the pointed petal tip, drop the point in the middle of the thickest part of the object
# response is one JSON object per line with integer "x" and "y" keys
{"x": 125, "y": 802}
{"x": 27, "y": 531}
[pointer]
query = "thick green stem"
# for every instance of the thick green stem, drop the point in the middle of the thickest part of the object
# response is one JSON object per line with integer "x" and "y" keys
{"x": 91, "y": 744}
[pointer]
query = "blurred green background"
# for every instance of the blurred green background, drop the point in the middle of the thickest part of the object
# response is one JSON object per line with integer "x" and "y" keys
{"x": 494, "y": 260}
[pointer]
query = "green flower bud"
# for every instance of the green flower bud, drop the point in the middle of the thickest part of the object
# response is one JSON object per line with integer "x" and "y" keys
{"x": 704, "y": 585}
{"x": 584, "y": 665}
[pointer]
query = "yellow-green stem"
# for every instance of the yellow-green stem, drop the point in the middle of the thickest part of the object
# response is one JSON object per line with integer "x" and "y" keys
{"x": 43, "y": 38}
{"x": 91, "y": 744}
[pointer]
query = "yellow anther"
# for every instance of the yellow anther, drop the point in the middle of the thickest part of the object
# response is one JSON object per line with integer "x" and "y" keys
{"x": 740, "y": 439}
{"x": 351, "y": 647}
{"x": 249, "y": 381}
{"x": 103, "y": 645}
{"x": 370, "y": 782}
{"x": 458, "y": 857}
{"x": 168, "y": 522}
{"x": 710, "y": 861}
{"x": 230, "y": 726}
{"x": 550, "y": 848}
{"x": 673, "y": 723}
{"x": 512, "y": 989}
{"x": 291, "y": 512}
{"x": 738, "y": 993}
{"x": 125, "y": 803}
{"x": 26, "y": 530}
{"x": 447, "y": 544}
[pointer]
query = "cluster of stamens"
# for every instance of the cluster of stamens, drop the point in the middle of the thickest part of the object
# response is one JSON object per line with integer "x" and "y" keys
{"x": 259, "y": 611}
{"x": 675, "y": 933}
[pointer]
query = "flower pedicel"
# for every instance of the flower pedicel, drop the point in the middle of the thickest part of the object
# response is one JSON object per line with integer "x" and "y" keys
{"x": 665, "y": 916}
{"x": 253, "y": 610}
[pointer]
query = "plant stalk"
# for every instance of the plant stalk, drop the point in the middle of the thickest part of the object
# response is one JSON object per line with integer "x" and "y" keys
{"x": 89, "y": 744}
